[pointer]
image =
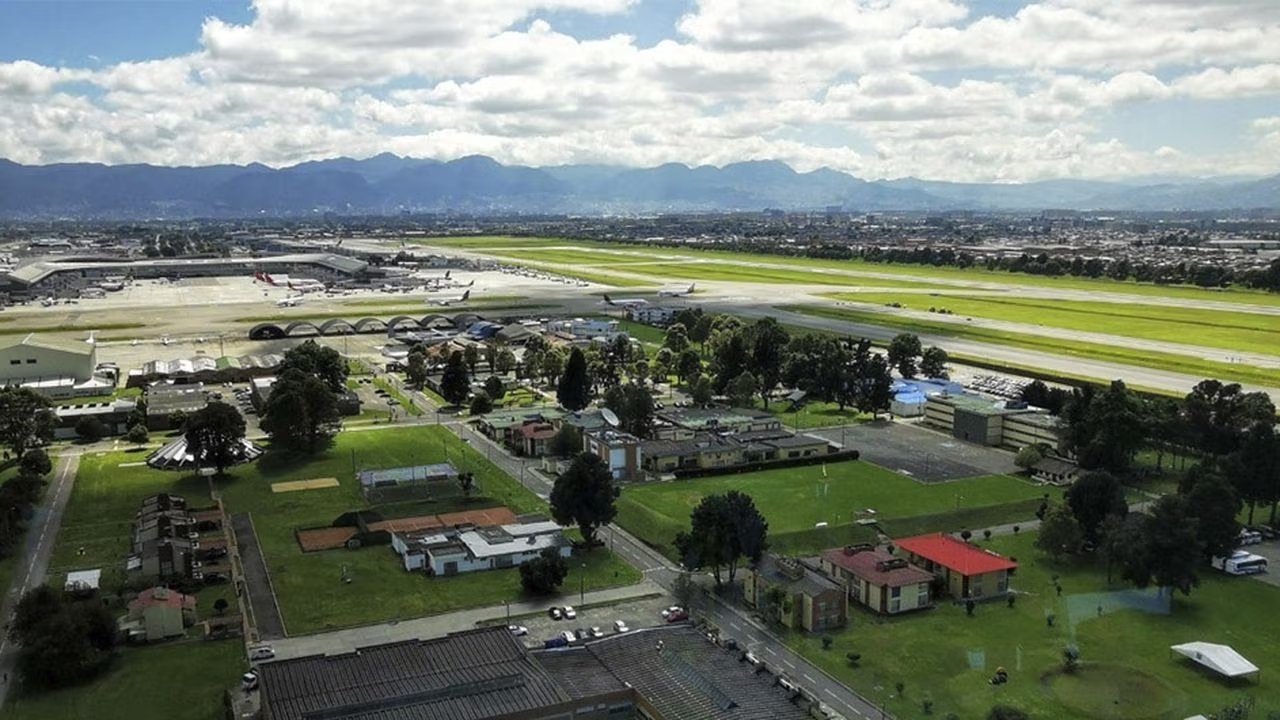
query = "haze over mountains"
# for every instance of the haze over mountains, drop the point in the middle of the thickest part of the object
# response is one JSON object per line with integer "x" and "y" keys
{"x": 387, "y": 184}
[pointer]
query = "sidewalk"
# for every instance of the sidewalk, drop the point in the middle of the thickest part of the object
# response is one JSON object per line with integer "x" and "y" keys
{"x": 345, "y": 641}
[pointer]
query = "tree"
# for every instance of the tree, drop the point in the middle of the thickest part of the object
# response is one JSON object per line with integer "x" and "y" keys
{"x": 311, "y": 358}
{"x": 1214, "y": 503}
{"x": 138, "y": 435}
{"x": 1111, "y": 537}
{"x": 574, "y": 389}
{"x": 1028, "y": 456}
{"x": 481, "y": 403}
{"x": 415, "y": 370}
{"x": 701, "y": 391}
{"x": 1255, "y": 468}
{"x": 1093, "y": 497}
{"x": 454, "y": 382}
{"x": 1109, "y": 431}
{"x": 505, "y": 361}
{"x": 700, "y": 330}
{"x": 471, "y": 355}
{"x": 567, "y": 442}
{"x": 301, "y": 413}
{"x": 215, "y": 435}
{"x": 1060, "y": 534}
{"x": 688, "y": 365}
{"x": 62, "y": 641}
{"x": 220, "y": 606}
{"x": 730, "y": 356}
{"x": 494, "y": 386}
{"x": 768, "y": 351}
{"x": 26, "y": 418}
{"x": 725, "y": 529}
{"x": 35, "y": 462}
{"x": 676, "y": 338}
{"x": 1163, "y": 547}
{"x": 90, "y": 428}
{"x": 874, "y": 388}
{"x": 543, "y": 574}
{"x": 634, "y": 407}
{"x": 742, "y": 389}
{"x": 684, "y": 590}
{"x": 933, "y": 362}
{"x": 904, "y": 348}
{"x": 584, "y": 496}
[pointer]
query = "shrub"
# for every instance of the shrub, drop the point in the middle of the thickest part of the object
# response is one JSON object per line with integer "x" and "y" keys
{"x": 965, "y": 535}
{"x": 927, "y": 707}
{"x": 1017, "y": 529}
{"x": 852, "y": 657}
{"x": 1004, "y": 712}
{"x": 986, "y": 534}
{"x": 826, "y": 642}
{"x": 901, "y": 687}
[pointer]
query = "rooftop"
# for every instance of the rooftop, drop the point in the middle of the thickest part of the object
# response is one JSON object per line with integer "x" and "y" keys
{"x": 955, "y": 554}
{"x": 75, "y": 347}
{"x": 869, "y": 565}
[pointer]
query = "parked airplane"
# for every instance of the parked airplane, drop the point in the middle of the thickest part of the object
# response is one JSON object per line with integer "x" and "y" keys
{"x": 445, "y": 302}
{"x": 288, "y": 302}
{"x": 306, "y": 286}
{"x": 628, "y": 303}
{"x": 676, "y": 292}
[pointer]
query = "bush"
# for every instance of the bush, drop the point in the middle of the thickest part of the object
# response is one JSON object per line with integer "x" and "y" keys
{"x": 965, "y": 535}
{"x": 90, "y": 428}
{"x": 927, "y": 707}
{"x": 901, "y": 687}
{"x": 36, "y": 462}
{"x": 826, "y": 642}
{"x": 852, "y": 657}
{"x": 986, "y": 534}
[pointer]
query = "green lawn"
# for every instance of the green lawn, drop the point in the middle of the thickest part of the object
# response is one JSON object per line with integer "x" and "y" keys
{"x": 929, "y": 652}
{"x": 164, "y": 682}
{"x": 908, "y": 273}
{"x": 1210, "y": 328}
{"x": 1095, "y": 351}
{"x": 794, "y": 500}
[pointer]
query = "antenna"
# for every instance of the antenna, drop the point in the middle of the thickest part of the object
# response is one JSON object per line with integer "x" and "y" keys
{"x": 610, "y": 417}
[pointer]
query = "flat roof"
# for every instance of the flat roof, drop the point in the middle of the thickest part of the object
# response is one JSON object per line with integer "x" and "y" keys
{"x": 954, "y": 554}
{"x": 34, "y": 272}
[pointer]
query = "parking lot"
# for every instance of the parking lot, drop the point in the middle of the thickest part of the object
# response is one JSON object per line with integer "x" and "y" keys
{"x": 635, "y": 614}
{"x": 925, "y": 455}
{"x": 1269, "y": 549}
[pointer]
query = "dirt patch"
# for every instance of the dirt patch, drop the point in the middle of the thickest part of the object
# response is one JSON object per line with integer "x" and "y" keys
{"x": 296, "y": 485}
{"x": 330, "y": 538}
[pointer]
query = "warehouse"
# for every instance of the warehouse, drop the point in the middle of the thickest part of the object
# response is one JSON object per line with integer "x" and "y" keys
{"x": 50, "y": 365}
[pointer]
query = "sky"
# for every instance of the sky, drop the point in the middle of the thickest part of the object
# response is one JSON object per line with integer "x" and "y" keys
{"x": 959, "y": 90}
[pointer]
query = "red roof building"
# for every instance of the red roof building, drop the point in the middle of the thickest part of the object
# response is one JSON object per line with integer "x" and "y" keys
{"x": 970, "y": 572}
{"x": 878, "y": 580}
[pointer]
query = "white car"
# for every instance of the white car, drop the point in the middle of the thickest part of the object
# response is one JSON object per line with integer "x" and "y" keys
{"x": 596, "y": 632}
{"x": 673, "y": 610}
{"x": 620, "y": 626}
{"x": 569, "y": 612}
{"x": 518, "y": 630}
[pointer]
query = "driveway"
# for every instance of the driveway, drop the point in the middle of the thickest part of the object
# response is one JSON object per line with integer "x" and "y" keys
{"x": 925, "y": 455}
{"x": 262, "y": 597}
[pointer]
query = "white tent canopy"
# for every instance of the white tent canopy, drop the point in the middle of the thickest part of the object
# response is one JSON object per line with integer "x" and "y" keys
{"x": 1221, "y": 659}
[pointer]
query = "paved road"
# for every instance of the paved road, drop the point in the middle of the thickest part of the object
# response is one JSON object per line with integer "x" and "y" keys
{"x": 262, "y": 597}
{"x": 36, "y": 553}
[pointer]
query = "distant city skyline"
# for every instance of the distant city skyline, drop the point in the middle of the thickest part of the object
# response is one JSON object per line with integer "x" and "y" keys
{"x": 959, "y": 90}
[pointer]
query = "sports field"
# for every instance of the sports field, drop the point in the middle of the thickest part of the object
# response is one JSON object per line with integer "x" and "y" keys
{"x": 796, "y": 500}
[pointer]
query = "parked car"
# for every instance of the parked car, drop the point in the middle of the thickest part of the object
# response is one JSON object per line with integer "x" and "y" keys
{"x": 261, "y": 652}
{"x": 596, "y": 632}
{"x": 518, "y": 630}
{"x": 555, "y": 642}
{"x": 555, "y": 613}
{"x": 620, "y": 626}
{"x": 673, "y": 609}
{"x": 1267, "y": 532}
{"x": 568, "y": 636}
{"x": 677, "y": 615}
{"x": 581, "y": 634}
{"x": 570, "y": 613}
{"x": 249, "y": 681}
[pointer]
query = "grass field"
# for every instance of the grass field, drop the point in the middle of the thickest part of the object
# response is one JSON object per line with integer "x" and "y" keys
{"x": 1095, "y": 351}
{"x": 794, "y": 500}
{"x": 165, "y": 682}
{"x": 1124, "y": 651}
{"x": 1210, "y": 328}
{"x": 939, "y": 275}
{"x": 106, "y": 497}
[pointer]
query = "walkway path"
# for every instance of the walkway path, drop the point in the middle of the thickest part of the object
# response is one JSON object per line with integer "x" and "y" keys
{"x": 36, "y": 553}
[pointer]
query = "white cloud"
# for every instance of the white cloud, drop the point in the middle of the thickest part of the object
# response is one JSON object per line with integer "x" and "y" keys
{"x": 915, "y": 87}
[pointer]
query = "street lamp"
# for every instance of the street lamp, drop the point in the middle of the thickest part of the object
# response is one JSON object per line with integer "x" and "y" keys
{"x": 582, "y": 586}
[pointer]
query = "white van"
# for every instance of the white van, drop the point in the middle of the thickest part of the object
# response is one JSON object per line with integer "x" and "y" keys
{"x": 261, "y": 652}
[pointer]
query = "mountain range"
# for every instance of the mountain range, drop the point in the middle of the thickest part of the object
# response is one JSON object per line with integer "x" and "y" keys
{"x": 388, "y": 184}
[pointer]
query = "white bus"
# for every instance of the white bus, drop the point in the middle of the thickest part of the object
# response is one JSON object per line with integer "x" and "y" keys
{"x": 1241, "y": 563}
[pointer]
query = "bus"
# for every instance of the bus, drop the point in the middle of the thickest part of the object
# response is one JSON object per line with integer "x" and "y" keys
{"x": 1241, "y": 563}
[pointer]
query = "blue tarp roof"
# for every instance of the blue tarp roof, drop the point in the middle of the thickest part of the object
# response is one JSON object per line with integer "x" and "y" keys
{"x": 911, "y": 396}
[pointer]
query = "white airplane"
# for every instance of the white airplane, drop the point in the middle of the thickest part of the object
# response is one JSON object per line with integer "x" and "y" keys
{"x": 628, "y": 303}
{"x": 288, "y": 302}
{"x": 445, "y": 302}
{"x": 676, "y": 292}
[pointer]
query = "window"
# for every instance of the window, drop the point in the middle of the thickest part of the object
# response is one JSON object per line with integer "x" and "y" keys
{"x": 31, "y": 361}
{"x": 922, "y": 600}
{"x": 15, "y": 362}
{"x": 895, "y": 592}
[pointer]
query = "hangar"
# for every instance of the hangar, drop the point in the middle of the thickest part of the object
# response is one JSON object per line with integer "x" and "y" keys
{"x": 51, "y": 365}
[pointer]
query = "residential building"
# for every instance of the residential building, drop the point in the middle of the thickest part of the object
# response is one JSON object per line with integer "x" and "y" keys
{"x": 877, "y": 580}
{"x": 535, "y": 438}
{"x": 469, "y": 549}
{"x": 660, "y": 316}
{"x": 969, "y": 572}
{"x": 809, "y": 602}
{"x": 157, "y": 614}
{"x": 705, "y": 450}
{"x": 620, "y": 451}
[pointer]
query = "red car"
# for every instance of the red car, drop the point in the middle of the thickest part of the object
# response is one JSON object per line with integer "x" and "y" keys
{"x": 677, "y": 614}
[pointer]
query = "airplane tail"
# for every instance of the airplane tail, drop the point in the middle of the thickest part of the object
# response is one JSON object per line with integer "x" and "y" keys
{"x": 691, "y": 287}
{"x": 464, "y": 297}
{"x": 447, "y": 273}
{"x": 608, "y": 301}
{"x": 471, "y": 284}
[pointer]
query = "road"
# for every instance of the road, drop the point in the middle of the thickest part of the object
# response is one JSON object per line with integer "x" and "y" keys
{"x": 37, "y": 550}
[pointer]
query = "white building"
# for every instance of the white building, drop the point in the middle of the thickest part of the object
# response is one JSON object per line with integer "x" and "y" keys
{"x": 450, "y": 551}
{"x": 653, "y": 314}
{"x": 52, "y": 366}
